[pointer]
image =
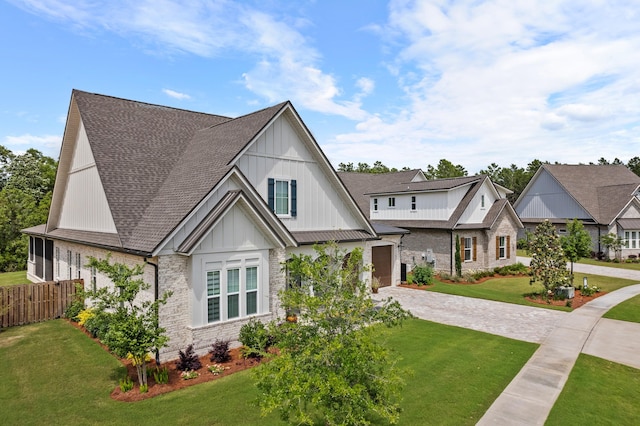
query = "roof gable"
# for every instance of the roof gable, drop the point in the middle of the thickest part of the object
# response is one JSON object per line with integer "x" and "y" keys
{"x": 596, "y": 192}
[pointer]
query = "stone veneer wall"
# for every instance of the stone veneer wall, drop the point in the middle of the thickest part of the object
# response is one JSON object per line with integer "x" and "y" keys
{"x": 85, "y": 272}
{"x": 176, "y": 314}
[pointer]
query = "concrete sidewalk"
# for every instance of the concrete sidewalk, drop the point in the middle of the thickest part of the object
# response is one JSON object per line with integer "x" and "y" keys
{"x": 594, "y": 270}
{"x": 528, "y": 399}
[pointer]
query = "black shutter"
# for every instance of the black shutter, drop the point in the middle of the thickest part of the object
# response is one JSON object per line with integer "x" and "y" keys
{"x": 294, "y": 198}
{"x": 271, "y": 197}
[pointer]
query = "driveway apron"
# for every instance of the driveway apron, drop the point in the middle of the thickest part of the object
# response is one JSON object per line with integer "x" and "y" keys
{"x": 562, "y": 336}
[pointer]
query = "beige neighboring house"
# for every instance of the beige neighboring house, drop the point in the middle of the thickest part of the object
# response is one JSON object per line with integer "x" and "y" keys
{"x": 603, "y": 197}
{"x": 435, "y": 212}
{"x": 212, "y": 205}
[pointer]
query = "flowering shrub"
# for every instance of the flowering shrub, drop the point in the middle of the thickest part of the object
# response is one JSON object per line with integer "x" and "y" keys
{"x": 216, "y": 369}
{"x": 84, "y": 315}
{"x": 189, "y": 374}
{"x": 589, "y": 290}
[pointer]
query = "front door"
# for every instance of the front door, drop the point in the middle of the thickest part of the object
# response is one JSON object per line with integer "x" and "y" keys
{"x": 381, "y": 259}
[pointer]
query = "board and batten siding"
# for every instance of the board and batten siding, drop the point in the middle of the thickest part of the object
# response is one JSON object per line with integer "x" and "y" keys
{"x": 546, "y": 199}
{"x": 475, "y": 213}
{"x": 85, "y": 205}
{"x": 281, "y": 154}
{"x": 429, "y": 206}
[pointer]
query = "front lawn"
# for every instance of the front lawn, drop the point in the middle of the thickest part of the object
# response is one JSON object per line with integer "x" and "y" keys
{"x": 512, "y": 290}
{"x": 13, "y": 278}
{"x": 54, "y": 374}
{"x": 598, "y": 392}
{"x": 629, "y": 310}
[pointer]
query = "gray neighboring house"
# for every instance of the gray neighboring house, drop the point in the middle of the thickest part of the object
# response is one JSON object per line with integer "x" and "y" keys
{"x": 435, "y": 212}
{"x": 213, "y": 206}
{"x": 603, "y": 197}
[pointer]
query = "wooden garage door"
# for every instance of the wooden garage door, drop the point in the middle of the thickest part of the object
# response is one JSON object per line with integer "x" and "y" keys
{"x": 381, "y": 259}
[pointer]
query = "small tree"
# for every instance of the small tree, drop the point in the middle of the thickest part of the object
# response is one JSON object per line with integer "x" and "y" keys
{"x": 458, "y": 257}
{"x": 548, "y": 263}
{"x": 577, "y": 243}
{"x": 331, "y": 362}
{"x": 133, "y": 330}
{"x": 613, "y": 243}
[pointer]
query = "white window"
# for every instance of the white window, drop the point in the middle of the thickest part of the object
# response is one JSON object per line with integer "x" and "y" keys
{"x": 413, "y": 202}
{"x": 392, "y": 201}
{"x": 468, "y": 249}
{"x": 213, "y": 296}
{"x": 78, "y": 265}
{"x": 632, "y": 239}
{"x": 251, "y": 282}
{"x": 375, "y": 204}
{"x": 232, "y": 291}
{"x": 502, "y": 247}
{"x": 482, "y": 201}
{"x": 69, "y": 264}
{"x": 57, "y": 262}
{"x": 94, "y": 279}
{"x": 282, "y": 197}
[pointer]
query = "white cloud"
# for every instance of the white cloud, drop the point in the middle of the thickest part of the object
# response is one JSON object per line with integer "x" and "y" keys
{"x": 487, "y": 81}
{"x": 47, "y": 144}
{"x": 176, "y": 95}
{"x": 286, "y": 66}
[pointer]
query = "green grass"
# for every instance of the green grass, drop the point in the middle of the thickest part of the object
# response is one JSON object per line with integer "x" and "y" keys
{"x": 54, "y": 374}
{"x": 512, "y": 290}
{"x": 629, "y": 310}
{"x": 598, "y": 392}
{"x": 13, "y": 278}
{"x": 595, "y": 262}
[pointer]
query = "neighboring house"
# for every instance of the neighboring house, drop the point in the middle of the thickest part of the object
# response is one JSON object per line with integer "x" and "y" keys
{"x": 603, "y": 197}
{"x": 436, "y": 212}
{"x": 213, "y": 206}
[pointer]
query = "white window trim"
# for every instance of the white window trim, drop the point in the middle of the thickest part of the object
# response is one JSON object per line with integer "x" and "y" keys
{"x": 391, "y": 202}
{"x": 69, "y": 264}
{"x": 502, "y": 247}
{"x": 482, "y": 202}
{"x": 203, "y": 264}
{"x": 468, "y": 247}
{"x": 629, "y": 241}
{"x": 275, "y": 196}
{"x": 375, "y": 205}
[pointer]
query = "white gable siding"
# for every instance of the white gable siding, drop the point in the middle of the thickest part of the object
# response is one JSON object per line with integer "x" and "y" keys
{"x": 235, "y": 231}
{"x": 545, "y": 198}
{"x": 475, "y": 212}
{"x": 429, "y": 206}
{"x": 85, "y": 205}
{"x": 281, "y": 154}
{"x": 632, "y": 211}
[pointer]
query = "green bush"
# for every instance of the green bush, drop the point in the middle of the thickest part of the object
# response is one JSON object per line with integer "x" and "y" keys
{"x": 514, "y": 269}
{"x": 423, "y": 274}
{"x": 98, "y": 324}
{"x": 161, "y": 375}
{"x": 126, "y": 384}
{"x": 255, "y": 338}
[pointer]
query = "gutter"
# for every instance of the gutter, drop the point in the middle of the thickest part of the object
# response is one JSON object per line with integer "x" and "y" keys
{"x": 156, "y": 285}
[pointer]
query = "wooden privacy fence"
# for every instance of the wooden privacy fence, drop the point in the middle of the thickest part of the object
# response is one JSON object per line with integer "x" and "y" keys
{"x": 28, "y": 303}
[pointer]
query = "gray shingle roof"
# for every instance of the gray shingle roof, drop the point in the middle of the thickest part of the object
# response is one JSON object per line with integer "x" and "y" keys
{"x": 602, "y": 190}
{"x": 147, "y": 155}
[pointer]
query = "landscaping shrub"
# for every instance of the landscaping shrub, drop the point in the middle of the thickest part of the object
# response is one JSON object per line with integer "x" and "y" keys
{"x": 188, "y": 360}
{"x": 161, "y": 375}
{"x": 515, "y": 269}
{"x": 98, "y": 323}
{"x": 423, "y": 274}
{"x": 255, "y": 338}
{"x": 589, "y": 290}
{"x": 220, "y": 351}
{"x": 76, "y": 306}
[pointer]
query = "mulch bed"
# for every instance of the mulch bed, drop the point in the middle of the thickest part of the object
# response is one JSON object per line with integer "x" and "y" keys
{"x": 576, "y": 302}
{"x": 237, "y": 363}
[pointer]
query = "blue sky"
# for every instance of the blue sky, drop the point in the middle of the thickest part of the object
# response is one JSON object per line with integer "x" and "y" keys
{"x": 403, "y": 82}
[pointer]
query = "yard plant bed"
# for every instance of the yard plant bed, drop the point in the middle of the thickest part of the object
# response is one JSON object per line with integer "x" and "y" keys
{"x": 577, "y": 301}
{"x": 237, "y": 363}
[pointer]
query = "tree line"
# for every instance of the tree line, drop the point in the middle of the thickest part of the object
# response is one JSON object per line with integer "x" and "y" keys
{"x": 26, "y": 186}
{"x": 512, "y": 177}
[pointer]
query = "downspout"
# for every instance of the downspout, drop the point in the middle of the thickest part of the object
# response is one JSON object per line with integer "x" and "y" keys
{"x": 452, "y": 254}
{"x": 156, "y": 286}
